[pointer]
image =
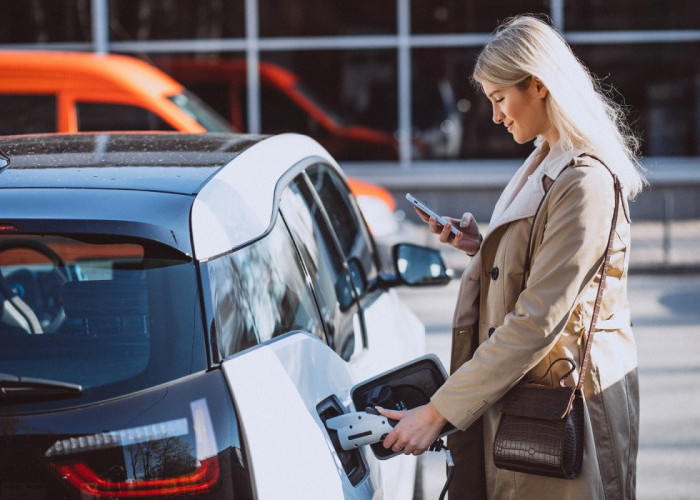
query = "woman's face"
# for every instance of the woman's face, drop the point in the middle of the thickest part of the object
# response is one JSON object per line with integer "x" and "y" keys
{"x": 522, "y": 111}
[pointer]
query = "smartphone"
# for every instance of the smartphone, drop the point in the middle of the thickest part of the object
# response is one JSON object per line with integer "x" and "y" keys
{"x": 430, "y": 212}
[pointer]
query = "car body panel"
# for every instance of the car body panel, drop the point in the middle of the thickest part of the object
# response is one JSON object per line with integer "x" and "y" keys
{"x": 277, "y": 369}
{"x": 214, "y": 232}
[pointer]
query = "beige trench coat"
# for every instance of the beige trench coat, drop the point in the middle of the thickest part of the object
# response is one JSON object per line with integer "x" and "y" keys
{"x": 501, "y": 335}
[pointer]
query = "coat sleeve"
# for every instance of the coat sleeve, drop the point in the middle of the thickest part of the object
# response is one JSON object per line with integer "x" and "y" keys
{"x": 577, "y": 216}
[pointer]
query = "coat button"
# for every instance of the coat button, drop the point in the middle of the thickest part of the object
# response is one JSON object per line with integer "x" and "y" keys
{"x": 491, "y": 330}
{"x": 494, "y": 273}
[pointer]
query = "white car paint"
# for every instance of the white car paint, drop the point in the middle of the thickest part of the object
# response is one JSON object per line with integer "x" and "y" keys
{"x": 215, "y": 231}
{"x": 276, "y": 397}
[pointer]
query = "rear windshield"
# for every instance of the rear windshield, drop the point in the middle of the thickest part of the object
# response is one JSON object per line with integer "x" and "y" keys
{"x": 109, "y": 314}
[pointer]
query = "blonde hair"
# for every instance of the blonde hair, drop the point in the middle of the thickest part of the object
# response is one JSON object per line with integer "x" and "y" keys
{"x": 585, "y": 117}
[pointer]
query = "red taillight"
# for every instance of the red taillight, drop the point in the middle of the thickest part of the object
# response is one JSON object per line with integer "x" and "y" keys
{"x": 89, "y": 483}
{"x": 7, "y": 228}
{"x": 67, "y": 458}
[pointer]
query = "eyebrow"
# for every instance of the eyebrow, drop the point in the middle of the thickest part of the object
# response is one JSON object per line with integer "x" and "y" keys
{"x": 491, "y": 94}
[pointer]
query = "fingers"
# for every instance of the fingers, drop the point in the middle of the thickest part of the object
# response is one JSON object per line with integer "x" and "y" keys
{"x": 424, "y": 217}
{"x": 392, "y": 414}
{"x": 398, "y": 445}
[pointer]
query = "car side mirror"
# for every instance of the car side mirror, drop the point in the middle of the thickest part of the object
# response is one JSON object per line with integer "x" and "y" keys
{"x": 420, "y": 266}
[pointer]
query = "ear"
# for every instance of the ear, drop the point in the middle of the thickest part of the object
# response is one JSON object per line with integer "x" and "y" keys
{"x": 540, "y": 88}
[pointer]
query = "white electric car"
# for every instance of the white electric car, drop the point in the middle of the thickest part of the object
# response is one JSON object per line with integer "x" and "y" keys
{"x": 183, "y": 313}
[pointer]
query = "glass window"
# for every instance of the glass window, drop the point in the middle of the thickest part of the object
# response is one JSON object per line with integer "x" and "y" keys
{"x": 631, "y": 15}
{"x": 344, "y": 99}
{"x": 200, "y": 112}
{"x": 219, "y": 81}
{"x": 323, "y": 18}
{"x": 465, "y": 16}
{"x": 452, "y": 119}
{"x": 661, "y": 103}
{"x": 46, "y": 22}
{"x": 260, "y": 292}
{"x": 279, "y": 113}
{"x": 330, "y": 280}
{"x": 27, "y": 114}
{"x": 107, "y": 313}
{"x": 98, "y": 117}
{"x": 348, "y": 224}
{"x": 176, "y": 19}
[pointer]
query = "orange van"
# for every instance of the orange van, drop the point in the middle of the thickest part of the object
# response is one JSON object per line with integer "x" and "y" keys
{"x": 86, "y": 92}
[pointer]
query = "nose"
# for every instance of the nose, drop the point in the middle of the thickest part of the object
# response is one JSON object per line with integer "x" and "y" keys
{"x": 498, "y": 116}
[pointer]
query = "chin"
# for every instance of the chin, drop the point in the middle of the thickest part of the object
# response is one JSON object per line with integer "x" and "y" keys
{"x": 523, "y": 140}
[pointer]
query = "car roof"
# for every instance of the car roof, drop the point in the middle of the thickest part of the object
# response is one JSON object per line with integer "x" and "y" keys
{"x": 203, "y": 194}
{"x": 165, "y": 162}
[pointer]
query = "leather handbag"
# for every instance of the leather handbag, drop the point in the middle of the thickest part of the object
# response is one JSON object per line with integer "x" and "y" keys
{"x": 541, "y": 427}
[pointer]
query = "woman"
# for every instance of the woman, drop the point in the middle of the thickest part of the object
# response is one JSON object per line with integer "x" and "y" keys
{"x": 502, "y": 332}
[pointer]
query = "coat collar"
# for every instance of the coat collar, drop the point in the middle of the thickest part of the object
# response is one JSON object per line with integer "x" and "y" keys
{"x": 523, "y": 193}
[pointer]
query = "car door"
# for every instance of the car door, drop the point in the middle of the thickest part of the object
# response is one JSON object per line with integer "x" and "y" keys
{"x": 294, "y": 375}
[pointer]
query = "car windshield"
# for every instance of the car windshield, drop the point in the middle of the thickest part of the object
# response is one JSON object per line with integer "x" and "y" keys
{"x": 200, "y": 112}
{"x": 109, "y": 314}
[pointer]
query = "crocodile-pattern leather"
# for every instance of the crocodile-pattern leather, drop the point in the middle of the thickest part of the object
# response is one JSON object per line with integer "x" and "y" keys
{"x": 537, "y": 435}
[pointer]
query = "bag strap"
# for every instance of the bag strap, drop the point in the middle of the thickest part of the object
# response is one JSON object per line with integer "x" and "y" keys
{"x": 603, "y": 274}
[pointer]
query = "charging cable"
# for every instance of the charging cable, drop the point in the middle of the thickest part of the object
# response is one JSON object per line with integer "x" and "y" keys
{"x": 439, "y": 445}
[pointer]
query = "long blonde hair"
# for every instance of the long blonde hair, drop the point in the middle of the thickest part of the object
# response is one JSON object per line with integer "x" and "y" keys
{"x": 585, "y": 117}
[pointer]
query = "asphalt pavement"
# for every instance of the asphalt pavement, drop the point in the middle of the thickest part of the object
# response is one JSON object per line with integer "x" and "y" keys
{"x": 664, "y": 293}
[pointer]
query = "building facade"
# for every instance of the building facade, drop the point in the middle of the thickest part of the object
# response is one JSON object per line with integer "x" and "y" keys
{"x": 393, "y": 71}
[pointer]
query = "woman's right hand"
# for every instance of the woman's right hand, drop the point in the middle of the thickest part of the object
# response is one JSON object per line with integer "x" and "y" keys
{"x": 467, "y": 239}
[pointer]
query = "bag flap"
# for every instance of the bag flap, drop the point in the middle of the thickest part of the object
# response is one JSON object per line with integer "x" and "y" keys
{"x": 538, "y": 401}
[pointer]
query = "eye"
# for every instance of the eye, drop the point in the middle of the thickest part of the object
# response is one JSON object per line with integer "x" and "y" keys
{"x": 499, "y": 100}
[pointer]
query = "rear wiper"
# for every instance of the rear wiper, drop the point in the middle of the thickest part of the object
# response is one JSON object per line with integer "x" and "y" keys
{"x": 16, "y": 387}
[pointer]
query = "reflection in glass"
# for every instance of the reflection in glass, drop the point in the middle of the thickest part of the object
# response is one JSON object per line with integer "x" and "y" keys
{"x": 324, "y": 18}
{"x": 465, "y": 16}
{"x": 418, "y": 265}
{"x": 116, "y": 315}
{"x": 451, "y": 117}
{"x": 46, "y": 22}
{"x": 175, "y": 19}
{"x": 631, "y": 15}
{"x": 260, "y": 292}
{"x": 333, "y": 287}
{"x": 344, "y": 99}
{"x": 658, "y": 101}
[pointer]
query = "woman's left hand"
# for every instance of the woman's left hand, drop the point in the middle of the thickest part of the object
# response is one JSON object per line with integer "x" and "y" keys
{"x": 416, "y": 431}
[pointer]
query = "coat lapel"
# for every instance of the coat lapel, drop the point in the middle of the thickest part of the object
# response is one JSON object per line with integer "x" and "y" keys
{"x": 522, "y": 195}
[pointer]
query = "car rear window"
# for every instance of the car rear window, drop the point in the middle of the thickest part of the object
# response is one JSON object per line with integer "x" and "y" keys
{"x": 106, "y": 313}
